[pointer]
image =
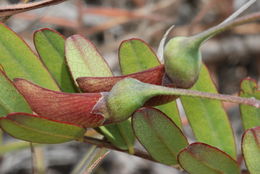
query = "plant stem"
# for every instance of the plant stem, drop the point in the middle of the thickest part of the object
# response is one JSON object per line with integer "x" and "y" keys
{"x": 32, "y": 158}
{"x": 192, "y": 93}
{"x": 105, "y": 144}
{"x": 204, "y": 36}
{"x": 18, "y": 8}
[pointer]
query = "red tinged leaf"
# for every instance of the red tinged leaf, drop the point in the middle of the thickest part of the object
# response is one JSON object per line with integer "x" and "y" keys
{"x": 101, "y": 84}
{"x": 200, "y": 158}
{"x": 59, "y": 106}
{"x": 251, "y": 149}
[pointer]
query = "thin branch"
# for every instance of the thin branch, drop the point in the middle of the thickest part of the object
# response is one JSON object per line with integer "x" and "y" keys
{"x": 239, "y": 11}
{"x": 18, "y": 8}
{"x": 32, "y": 158}
{"x": 105, "y": 144}
{"x": 192, "y": 93}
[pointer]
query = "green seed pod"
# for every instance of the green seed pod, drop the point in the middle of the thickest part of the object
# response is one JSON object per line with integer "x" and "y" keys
{"x": 182, "y": 56}
{"x": 182, "y": 60}
{"x": 129, "y": 94}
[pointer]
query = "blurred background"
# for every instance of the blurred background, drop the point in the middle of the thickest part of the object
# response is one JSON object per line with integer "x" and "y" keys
{"x": 230, "y": 57}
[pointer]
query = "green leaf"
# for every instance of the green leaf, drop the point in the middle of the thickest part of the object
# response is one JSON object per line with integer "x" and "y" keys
{"x": 159, "y": 135}
{"x": 50, "y": 47}
{"x": 135, "y": 56}
{"x": 23, "y": 126}
{"x": 10, "y": 99}
{"x": 84, "y": 60}
{"x": 120, "y": 134}
{"x": 18, "y": 60}
{"x": 250, "y": 115}
{"x": 200, "y": 158}
{"x": 208, "y": 118}
{"x": 251, "y": 149}
{"x": 38, "y": 129}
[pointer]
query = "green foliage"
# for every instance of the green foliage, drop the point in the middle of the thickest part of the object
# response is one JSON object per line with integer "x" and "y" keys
{"x": 250, "y": 115}
{"x": 18, "y": 60}
{"x": 84, "y": 60}
{"x": 208, "y": 118}
{"x": 113, "y": 100}
{"x": 159, "y": 135}
{"x": 135, "y": 56}
{"x": 199, "y": 158}
{"x": 50, "y": 47}
{"x": 10, "y": 99}
{"x": 251, "y": 149}
{"x": 39, "y": 129}
{"x": 120, "y": 134}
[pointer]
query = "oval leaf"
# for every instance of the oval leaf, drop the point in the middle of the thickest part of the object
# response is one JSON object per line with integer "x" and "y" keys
{"x": 208, "y": 118}
{"x": 11, "y": 99}
{"x": 59, "y": 106}
{"x": 200, "y": 158}
{"x": 251, "y": 149}
{"x": 38, "y": 129}
{"x": 159, "y": 135}
{"x": 135, "y": 55}
{"x": 84, "y": 60}
{"x": 141, "y": 57}
{"x": 18, "y": 60}
{"x": 50, "y": 47}
{"x": 250, "y": 115}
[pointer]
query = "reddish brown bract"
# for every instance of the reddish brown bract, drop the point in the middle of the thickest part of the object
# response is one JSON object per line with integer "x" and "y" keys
{"x": 101, "y": 84}
{"x": 66, "y": 107}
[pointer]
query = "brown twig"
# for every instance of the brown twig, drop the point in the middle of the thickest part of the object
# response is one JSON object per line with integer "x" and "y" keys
{"x": 105, "y": 144}
{"x": 19, "y": 8}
